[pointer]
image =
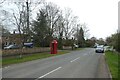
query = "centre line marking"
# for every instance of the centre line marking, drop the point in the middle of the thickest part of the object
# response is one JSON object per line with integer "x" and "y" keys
{"x": 75, "y": 59}
{"x": 49, "y": 72}
{"x": 6, "y": 67}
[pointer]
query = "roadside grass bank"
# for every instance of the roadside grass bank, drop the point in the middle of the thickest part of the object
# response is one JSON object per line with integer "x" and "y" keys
{"x": 79, "y": 49}
{"x": 112, "y": 61}
{"x": 18, "y": 59}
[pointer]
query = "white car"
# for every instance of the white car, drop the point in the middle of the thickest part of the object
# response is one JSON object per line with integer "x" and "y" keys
{"x": 11, "y": 47}
{"x": 99, "y": 49}
{"x": 76, "y": 46}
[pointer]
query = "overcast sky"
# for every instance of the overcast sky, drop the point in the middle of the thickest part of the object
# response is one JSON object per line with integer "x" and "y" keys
{"x": 101, "y": 16}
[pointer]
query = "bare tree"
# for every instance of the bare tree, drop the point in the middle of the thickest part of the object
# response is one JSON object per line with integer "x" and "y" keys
{"x": 2, "y": 1}
{"x": 23, "y": 16}
{"x": 59, "y": 30}
{"x": 70, "y": 22}
{"x": 4, "y": 18}
{"x": 59, "y": 27}
{"x": 86, "y": 30}
{"x": 53, "y": 16}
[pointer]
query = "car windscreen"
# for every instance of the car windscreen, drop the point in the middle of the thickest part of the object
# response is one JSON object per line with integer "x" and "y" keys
{"x": 10, "y": 46}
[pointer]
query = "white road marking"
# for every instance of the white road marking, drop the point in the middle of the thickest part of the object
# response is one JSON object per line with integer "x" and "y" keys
{"x": 49, "y": 73}
{"x": 75, "y": 59}
{"x": 6, "y": 67}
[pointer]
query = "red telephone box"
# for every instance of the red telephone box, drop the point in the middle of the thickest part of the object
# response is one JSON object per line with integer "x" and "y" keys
{"x": 53, "y": 47}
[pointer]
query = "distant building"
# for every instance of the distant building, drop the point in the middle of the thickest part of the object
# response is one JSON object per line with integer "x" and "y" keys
{"x": 11, "y": 39}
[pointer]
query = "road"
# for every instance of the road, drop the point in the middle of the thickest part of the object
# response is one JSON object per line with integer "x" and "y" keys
{"x": 76, "y": 64}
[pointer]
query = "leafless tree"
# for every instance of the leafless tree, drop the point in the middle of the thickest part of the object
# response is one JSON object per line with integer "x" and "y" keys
{"x": 2, "y": 1}
{"x": 4, "y": 18}
{"x": 22, "y": 17}
{"x": 70, "y": 23}
{"x": 59, "y": 27}
{"x": 86, "y": 30}
{"x": 53, "y": 16}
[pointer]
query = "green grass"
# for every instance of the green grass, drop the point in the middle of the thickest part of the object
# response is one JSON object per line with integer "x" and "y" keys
{"x": 14, "y": 60}
{"x": 79, "y": 48}
{"x": 112, "y": 61}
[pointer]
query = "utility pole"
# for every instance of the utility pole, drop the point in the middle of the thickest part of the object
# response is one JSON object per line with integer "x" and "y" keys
{"x": 77, "y": 34}
{"x": 27, "y": 20}
{"x": 27, "y": 15}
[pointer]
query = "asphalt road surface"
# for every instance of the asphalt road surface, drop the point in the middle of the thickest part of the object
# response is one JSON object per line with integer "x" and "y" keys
{"x": 76, "y": 64}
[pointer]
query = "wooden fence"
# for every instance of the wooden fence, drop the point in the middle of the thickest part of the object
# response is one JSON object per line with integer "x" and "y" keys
{"x": 24, "y": 51}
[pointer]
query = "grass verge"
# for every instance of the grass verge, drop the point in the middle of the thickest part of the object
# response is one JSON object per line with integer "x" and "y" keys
{"x": 79, "y": 48}
{"x": 112, "y": 61}
{"x": 14, "y": 60}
